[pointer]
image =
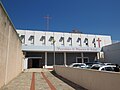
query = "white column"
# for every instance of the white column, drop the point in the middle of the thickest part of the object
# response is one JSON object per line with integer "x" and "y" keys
{"x": 98, "y": 55}
{"x": 45, "y": 59}
{"x": 25, "y": 63}
{"x": 82, "y": 56}
{"x": 65, "y": 58}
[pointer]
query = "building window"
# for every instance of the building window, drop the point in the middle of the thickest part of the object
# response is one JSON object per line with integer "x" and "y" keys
{"x": 79, "y": 41}
{"x": 86, "y": 41}
{"x": 70, "y": 40}
{"x": 62, "y": 40}
{"x": 94, "y": 43}
{"x": 43, "y": 40}
{"x": 51, "y": 39}
{"x": 31, "y": 38}
{"x": 22, "y": 38}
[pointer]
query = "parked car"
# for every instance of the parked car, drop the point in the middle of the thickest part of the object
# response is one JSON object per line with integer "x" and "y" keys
{"x": 109, "y": 64}
{"x": 106, "y": 68}
{"x": 112, "y": 64}
{"x": 96, "y": 66}
{"x": 78, "y": 65}
{"x": 90, "y": 64}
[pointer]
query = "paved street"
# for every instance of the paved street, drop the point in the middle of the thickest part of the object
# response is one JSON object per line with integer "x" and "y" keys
{"x": 40, "y": 80}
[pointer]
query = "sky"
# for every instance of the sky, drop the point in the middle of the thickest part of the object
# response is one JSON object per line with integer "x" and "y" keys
{"x": 88, "y": 16}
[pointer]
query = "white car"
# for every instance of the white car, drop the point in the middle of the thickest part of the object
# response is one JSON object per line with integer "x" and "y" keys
{"x": 110, "y": 64}
{"x": 78, "y": 65}
{"x": 107, "y": 68}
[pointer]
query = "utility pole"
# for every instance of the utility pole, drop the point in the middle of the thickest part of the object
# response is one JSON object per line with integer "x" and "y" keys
{"x": 48, "y": 28}
{"x": 54, "y": 50}
{"x": 47, "y": 22}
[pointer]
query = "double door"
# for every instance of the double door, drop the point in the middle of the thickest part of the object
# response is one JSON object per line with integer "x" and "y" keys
{"x": 35, "y": 63}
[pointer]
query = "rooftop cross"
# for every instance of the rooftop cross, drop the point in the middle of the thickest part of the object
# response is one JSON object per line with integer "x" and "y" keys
{"x": 99, "y": 42}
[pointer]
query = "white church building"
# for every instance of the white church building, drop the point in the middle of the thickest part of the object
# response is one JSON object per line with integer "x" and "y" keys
{"x": 43, "y": 49}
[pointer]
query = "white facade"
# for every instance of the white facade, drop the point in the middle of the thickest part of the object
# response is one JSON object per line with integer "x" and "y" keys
{"x": 49, "y": 43}
{"x": 43, "y": 41}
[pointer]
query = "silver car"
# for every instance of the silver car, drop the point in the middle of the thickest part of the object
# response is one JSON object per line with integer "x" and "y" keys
{"x": 78, "y": 65}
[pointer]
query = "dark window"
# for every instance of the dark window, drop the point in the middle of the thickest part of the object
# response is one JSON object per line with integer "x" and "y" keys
{"x": 86, "y": 41}
{"x": 79, "y": 41}
{"x": 108, "y": 68}
{"x": 51, "y": 39}
{"x": 31, "y": 38}
{"x": 42, "y": 39}
{"x": 94, "y": 42}
{"x": 62, "y": 40}
{"x": 70, "y": 40}
{"x": 22, "y": 38}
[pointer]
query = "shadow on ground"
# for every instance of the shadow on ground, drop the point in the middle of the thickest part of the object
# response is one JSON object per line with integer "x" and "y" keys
{"x": 73, "y": 85}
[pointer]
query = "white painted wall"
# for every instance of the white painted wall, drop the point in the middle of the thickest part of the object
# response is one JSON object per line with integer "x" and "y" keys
{"x": 38, "y": 35}
{"x": 105, "y": 40}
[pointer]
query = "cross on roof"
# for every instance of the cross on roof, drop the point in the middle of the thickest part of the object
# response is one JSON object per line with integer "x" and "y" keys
{"x": 99, "y": 42}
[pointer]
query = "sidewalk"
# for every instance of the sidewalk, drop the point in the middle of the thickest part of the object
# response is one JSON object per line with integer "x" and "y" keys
{"x": 40, "y": 80}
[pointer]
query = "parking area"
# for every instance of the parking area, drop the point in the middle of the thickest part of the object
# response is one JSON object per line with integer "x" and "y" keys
{"x": 40, "y": 80}
{"x": 100, "y": 66}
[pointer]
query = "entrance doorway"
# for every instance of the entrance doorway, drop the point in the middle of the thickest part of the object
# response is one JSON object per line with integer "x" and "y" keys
{"x": 79, "y": 59}
{"x": 35, "y": 63}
